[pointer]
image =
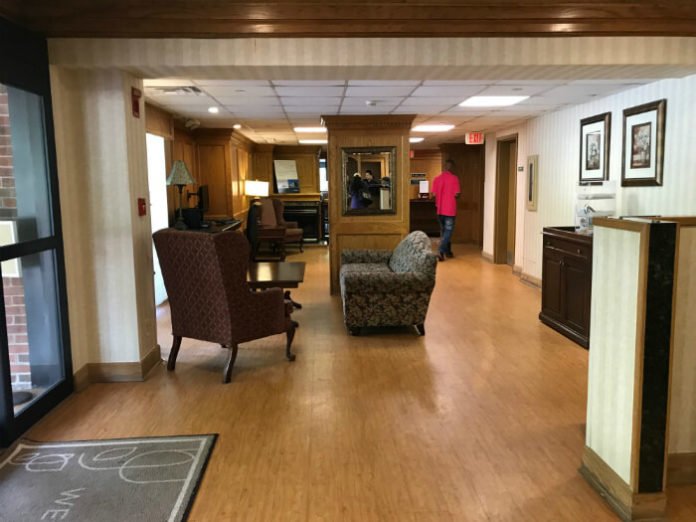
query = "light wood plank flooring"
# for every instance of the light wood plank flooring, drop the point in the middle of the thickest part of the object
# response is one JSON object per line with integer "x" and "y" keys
{"x": 480, "y": 420}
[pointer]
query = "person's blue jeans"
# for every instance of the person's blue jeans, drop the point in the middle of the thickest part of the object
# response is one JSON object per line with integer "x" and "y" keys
{"x": 446, "y": 228}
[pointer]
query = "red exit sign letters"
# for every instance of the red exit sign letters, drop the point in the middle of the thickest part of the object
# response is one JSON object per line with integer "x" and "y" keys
{"x": 473, "y": 138}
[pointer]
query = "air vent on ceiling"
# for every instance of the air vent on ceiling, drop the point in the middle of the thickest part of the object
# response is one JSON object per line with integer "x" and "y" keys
{"x": 180, "y": 90}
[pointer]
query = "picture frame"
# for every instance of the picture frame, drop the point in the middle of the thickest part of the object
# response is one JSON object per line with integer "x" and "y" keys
{"x": 595, "y": 142}
{"x": 643, "y": 144}
{"x": 532, "y": 182}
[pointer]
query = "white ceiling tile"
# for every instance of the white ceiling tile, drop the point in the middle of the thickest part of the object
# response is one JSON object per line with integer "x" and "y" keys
{"x": 514, "y": 90}
{"x": 309, "y": 91}
{"x": 461, "y": 92}
{"x": 433, "y": 101}
{"x": 167, "y": 82}
{"x": 310, "y": 101}
{"x": 232, "y": 83}
{"x": 383, "y": 83}
{"x": 408, "y": 109}
{"x": 356, "y": 109}
{"x": 249, "y": 101}
{"x": 379, "y": 91}
{"x": 359, "y": 100}
{"x": 239, "y": 91}
{"x": 308, "y": 83}
{"x": 454, "y": 83}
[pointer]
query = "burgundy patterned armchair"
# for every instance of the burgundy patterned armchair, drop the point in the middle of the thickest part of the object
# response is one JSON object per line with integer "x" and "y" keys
{"x": 205, "y": 277}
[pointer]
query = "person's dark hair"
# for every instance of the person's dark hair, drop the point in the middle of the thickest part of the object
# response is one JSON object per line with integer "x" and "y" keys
{"x": 449, "y": 164}
{"x": 356, "y": 184}
{"x": 368, "y": 171}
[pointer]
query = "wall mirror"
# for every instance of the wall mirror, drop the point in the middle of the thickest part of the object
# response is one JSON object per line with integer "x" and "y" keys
{"x": 369, "y": 180}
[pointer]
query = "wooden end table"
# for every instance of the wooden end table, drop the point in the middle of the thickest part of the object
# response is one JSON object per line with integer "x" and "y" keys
{"x": 276, "y": 274}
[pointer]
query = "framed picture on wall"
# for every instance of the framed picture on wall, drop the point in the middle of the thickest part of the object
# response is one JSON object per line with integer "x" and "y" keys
{"x": 643, "y": 145}
{"x": 595, "y": 139}
{"x": 532, "y": 182}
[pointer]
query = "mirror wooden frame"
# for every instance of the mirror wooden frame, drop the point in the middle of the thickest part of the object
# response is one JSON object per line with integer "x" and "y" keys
{"x": 346, "y": 152}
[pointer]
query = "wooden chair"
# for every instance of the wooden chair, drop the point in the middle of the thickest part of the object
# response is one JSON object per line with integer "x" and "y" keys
{"x": 293, "y": 233}
{"x": 205, "y": 277}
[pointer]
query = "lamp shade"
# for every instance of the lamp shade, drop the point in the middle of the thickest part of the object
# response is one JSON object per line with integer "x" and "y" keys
{"x": 180, "y": 175}
{"x": 258, "y": 189}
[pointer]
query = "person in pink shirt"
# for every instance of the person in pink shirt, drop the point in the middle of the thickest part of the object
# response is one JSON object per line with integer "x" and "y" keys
{"x": 446, "y": 191}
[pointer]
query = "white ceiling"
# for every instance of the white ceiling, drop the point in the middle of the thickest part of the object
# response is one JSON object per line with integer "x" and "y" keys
{"x": 269, "y": 110}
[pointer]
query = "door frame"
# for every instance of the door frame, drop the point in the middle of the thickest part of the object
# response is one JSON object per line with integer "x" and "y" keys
{"x": 500, "y": 202}
{"x": 24, "y": 65}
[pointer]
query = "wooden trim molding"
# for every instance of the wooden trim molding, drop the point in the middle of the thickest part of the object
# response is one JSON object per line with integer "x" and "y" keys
{"x": 630, "y": 506}
{"x": 388, "y": 122}
{"x": 681, "y": 469}
{"x": 117, "y": 372}
{"x": 534, "y": 281}
{"x": 488, "y": 257}
{"x": 81, "y": 378}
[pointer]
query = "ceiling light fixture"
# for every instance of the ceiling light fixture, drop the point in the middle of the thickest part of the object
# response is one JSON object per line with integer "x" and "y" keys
{"x": 439, "y": 127}
{"x": 310, "y": 129}
{"x": 415, "y": 139}
{"x": 371, "y": 103}
{"x": 492, "y": 101}
{"x": 314, "y": 142}
{"x": 237, "y": 126}
{"x": 213, "y": 110}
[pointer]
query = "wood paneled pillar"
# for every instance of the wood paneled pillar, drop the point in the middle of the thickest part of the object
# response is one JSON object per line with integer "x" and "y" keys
{"x": 371, "y": 230}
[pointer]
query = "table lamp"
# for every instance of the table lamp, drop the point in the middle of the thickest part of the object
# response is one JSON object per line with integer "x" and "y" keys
{"x": 180, "y": 176}
{"x": 255, "y": 189}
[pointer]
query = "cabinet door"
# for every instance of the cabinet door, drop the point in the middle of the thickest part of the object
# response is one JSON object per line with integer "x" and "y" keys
{"x": 576, "y": 288}
{"x": 551, "y": 294}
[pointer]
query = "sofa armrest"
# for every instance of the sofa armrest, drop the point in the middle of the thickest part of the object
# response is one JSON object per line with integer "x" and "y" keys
{"x": 386, "y": 282}
{"x": 365, "y": 256}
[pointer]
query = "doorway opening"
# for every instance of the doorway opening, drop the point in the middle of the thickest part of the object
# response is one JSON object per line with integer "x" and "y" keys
{"x": 159, "y": 214}
{"x": 505, "y": 201}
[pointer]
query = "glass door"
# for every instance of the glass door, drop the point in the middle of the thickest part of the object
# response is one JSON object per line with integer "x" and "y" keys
{"x": 35, "y": 362}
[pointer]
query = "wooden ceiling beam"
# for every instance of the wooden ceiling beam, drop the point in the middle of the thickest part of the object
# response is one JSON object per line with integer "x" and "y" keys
{"x": 234, "y": 18}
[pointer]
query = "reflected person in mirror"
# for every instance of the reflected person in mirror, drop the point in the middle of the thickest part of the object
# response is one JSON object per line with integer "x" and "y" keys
{"x": 446, "y": 191}
{"x": 356, "y": 189}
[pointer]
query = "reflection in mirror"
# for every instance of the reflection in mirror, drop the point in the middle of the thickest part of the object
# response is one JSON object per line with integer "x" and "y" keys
{"x": 369, "y": 180}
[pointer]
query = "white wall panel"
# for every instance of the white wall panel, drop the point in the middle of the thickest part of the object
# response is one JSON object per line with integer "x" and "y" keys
{"x": 611, "y": 373}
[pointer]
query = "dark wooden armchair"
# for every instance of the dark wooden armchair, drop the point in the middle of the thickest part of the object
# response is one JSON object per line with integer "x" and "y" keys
{"x": 293, "y": 233}
{"x": 205, "y": 277}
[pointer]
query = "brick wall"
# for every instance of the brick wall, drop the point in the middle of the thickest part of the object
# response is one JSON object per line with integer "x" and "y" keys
{"x": 13, "y": 288}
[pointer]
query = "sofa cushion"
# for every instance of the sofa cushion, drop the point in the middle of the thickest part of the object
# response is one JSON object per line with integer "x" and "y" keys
{"x": 371, "y": 268}
{"x": 413, "y": 254}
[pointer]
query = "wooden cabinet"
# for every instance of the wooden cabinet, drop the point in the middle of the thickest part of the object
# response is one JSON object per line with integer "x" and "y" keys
{"x": 423, "y": 216}
{"x": 566, "y": 283}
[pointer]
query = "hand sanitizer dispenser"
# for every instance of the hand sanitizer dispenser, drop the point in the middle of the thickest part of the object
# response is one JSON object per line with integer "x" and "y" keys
{"x": 594, "y": 200}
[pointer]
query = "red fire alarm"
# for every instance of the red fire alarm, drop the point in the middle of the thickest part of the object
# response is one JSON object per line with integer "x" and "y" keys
{"x": 142, "y": 207}
{"x": 136, "y": 94}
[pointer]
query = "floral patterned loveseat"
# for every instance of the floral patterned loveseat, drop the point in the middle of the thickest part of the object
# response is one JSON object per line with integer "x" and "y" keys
{"x": 384, "y": 288}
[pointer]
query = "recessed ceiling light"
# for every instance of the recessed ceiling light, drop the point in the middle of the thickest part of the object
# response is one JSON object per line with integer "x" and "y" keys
{"x": 492, "y": 101}
{"x": 415, "y": 139}
{"x": 314, "y": 142}
{"x": 310, "y": 129}
{"x": 213, "y": 110}
{"x": 371, "y": 103}
{"x": 237, "y": 126}
{"x": 440, "y": 127}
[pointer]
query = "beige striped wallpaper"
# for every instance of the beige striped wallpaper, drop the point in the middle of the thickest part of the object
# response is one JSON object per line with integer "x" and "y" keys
{"x": 385, "y": 58}
{"x": 556, "y": 139}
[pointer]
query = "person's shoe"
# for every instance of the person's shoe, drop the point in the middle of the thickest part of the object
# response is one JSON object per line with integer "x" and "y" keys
{"x": 449, "y": 254}
{"x": 440, "y": 256}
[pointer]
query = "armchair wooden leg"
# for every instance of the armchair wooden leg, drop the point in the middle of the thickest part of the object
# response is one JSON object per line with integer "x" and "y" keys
{"x": 290, "y": 335}
{"x": 171, "y": 362}
{"x": 227, "y": 375}
{"x": 421, "y": 328}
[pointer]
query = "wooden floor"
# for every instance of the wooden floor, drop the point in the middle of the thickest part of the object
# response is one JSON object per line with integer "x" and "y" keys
{"x": 480, "y": 420}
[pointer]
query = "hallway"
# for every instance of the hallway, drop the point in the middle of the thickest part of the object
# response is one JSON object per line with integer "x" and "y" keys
{"x": 480, "y": 420}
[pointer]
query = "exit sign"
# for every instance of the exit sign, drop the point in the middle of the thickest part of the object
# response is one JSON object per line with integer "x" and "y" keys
{"x": 473, "y": 138}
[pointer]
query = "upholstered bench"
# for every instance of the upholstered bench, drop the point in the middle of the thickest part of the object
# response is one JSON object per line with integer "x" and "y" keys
{"x": 385, "y": 288}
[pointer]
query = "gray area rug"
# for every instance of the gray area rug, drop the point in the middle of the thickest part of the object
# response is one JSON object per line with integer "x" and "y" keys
{"x": 146, "y": 479}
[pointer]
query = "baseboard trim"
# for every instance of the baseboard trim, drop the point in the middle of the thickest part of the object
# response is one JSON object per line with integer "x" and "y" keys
{"x": 517, "y": 270}
{"x": 488, "y": 257}
{"x": 117, "y": 372}
{"x": 81, "y": 378}
{"x": 681, "y": 469}
{"x": 612, "y": 488}
{"x": 534, "y": 281}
